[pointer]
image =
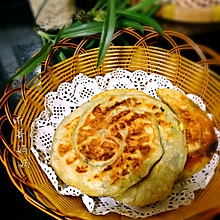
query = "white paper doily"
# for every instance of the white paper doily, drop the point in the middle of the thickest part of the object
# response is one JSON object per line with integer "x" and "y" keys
{"x": 68, "y": 97}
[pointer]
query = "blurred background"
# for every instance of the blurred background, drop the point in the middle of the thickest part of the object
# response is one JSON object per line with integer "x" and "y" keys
{"x": 19, "y": 41}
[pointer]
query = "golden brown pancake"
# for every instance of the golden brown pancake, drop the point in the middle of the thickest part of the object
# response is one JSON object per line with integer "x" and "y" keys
{"x": 112, "y": 142}
{"x": 199, "y": 130}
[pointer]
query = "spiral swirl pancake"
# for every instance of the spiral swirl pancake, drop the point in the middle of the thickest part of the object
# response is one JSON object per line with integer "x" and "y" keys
{"x": 114, "y": 141}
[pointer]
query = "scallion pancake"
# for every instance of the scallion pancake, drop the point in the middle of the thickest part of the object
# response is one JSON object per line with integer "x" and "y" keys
{"x": 199, "y": 130}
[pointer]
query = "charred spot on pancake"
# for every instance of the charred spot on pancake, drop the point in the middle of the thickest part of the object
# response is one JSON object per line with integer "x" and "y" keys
{"x": 154, "y": 107}
{"x": 121, "y": 103}
{"x": 162, "y": 109}
{"x": 212, "y": 148}
{"x": 119, "y": 136}
{"x": 122, "y": 125}
{"x": 124, "y": 172}
{"x": 71, "y": 160}
{"x": 129, "y": 149}
{"x": 126, "y": 102}
{"x": 135, "y": 163}
{"x": 115, "y": 180}
{"x": 192, "y": 126}
{"x": 63, "y": 149}
{"x": 137, "y": 116}
{"x": 146, "y": 138}
{"x": 99, "y": 150}
{"x": 115, "y": 132}
{"x": 137, "y": 131}
{"x": 94, "y": 119}
{"x": 163, "y": 123}
{"x": 114, "y": 129}
{"x": 116, "y": 117}
{"x": 111, "y": 98}
{"x": 144, "y": 149}
{"x": 158, "y": 114}
{"x": 109, "y": 167}
{"x": 129, "y": 158}
{"x": 193, "y": 136}
{"x": 97, "y": 110}
{"x": 81, "y": 168}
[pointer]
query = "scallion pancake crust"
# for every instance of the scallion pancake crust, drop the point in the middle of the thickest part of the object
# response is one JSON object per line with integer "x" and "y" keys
{"x": 112, "y": 142}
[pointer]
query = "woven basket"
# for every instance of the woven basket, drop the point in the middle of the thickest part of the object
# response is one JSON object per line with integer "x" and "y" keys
{"x": 184, "y": 63}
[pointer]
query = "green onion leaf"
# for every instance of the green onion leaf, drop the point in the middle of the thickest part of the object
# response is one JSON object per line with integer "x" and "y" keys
{"x": 47, "y": 36}
{"x": 59, "y": 35}
{"x": 107, "y": 31}
{"x": 152, "y": 10}
{"x": 75, "y": 24}
{"x": 61, "y": 56}
{"x": 122, "y": 40}
{"x": 132, "y": 24}
{"x": 142, "y": 18}
{"x": 141, "y": 5}
{"x": 121, "y": 5}
{"x": 91, "y": 43}
{"x": 99, "y": 4}
{"x": 83, "y": 30}
{"x": 33, "y": 63}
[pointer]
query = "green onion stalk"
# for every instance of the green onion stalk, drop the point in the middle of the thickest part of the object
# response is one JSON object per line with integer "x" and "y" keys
{"x": 104, "y": 19}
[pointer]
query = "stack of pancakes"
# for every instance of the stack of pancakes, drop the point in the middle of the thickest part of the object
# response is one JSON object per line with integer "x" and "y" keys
{"x": 131, "y": 146}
